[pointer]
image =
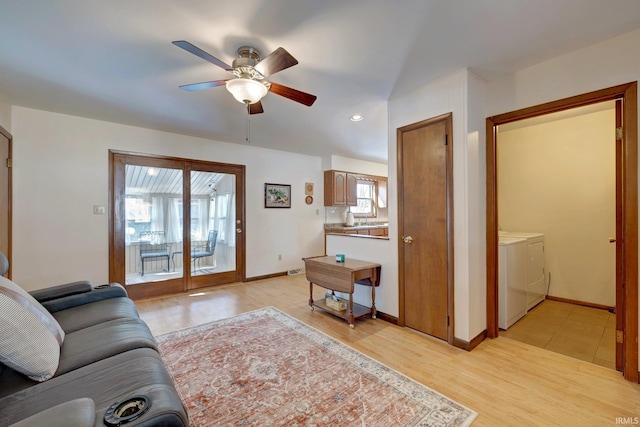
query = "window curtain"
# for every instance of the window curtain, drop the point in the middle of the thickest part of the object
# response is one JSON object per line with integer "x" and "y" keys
{"x": 204, "y": 219}
{"x": 174, "y": 229}
{"x": 157, "y": 220}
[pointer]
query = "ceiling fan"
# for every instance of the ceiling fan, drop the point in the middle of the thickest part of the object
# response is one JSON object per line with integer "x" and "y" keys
{"x": 249, "y": 86}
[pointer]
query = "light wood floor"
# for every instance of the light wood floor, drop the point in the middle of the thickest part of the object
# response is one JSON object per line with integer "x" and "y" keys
{"x": 508, "y": 383}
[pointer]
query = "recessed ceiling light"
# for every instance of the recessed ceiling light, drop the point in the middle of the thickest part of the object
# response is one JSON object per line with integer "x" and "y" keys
{"x": 356, "y": 118}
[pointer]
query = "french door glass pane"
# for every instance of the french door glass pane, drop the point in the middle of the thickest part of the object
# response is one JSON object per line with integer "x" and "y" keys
{"x": 153, "y": 231}
{"x": 213, "y": 223}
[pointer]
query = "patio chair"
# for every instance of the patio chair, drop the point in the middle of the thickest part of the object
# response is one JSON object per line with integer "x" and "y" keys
{"x": 149, "y": 251}
{"x": 204, "y": 250}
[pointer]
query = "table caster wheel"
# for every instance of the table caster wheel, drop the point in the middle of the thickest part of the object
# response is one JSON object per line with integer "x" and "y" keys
{"x": 352, "y": 326}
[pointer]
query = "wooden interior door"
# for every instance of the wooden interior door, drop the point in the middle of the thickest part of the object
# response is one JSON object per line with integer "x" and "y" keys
{"x": 425, "y": 225}
{"x": 5, "y": 195}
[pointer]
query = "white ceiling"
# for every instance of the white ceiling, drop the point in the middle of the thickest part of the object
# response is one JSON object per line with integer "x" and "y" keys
{"x": 113, "y": 60}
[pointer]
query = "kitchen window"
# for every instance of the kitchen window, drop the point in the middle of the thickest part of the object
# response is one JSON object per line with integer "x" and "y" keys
{"x": 366, "y": 207}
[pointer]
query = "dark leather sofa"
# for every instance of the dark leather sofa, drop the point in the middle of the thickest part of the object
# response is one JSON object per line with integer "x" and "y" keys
{"x": 109, "y": 371}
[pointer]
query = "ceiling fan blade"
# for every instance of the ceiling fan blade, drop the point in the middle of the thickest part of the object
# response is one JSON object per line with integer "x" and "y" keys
{"x": 293, "y": 94}
{"x": 201, "y": 53}
{"x": 204, "y": 85}
{"x": 255, "y": 108}
{"x": 277, "y": 60}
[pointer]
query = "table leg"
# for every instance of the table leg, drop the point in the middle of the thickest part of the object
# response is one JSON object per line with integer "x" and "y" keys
{"x": 374, "y": 312}
{"x": 311, "y": 295}
{"x": 351, "y": 318}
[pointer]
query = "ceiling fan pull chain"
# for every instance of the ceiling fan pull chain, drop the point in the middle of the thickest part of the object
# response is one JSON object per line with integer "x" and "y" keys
{"x": 248, "y": 128}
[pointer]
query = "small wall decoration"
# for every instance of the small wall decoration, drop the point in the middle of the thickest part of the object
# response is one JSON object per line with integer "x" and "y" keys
{"x": 308, "y": 189}
{"x": 277, "y": 196}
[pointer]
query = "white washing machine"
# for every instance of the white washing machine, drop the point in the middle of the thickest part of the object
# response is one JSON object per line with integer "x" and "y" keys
{"x": 536, "y": 289}
{"x": 512, "y": 280}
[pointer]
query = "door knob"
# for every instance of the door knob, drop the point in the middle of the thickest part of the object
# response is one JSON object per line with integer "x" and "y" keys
{"x": 407, "y": 239}
{"x": 612, "y": 240}
{"x": 239, "y": 230}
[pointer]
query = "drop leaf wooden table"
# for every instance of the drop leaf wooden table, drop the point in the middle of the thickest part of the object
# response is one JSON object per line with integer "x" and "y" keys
{"x": 336, "y": 276}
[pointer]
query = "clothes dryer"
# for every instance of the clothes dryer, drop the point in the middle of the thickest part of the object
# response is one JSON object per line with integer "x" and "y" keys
{"x": 512, "y": 280}
{"x": 536, "y": 289}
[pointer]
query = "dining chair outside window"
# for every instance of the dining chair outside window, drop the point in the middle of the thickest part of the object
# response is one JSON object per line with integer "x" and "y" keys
{"x": 149, "y": 251}
{"x": 204, "y": 250}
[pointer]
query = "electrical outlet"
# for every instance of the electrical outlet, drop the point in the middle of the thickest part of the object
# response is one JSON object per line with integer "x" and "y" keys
{"x": 99, "y": 209}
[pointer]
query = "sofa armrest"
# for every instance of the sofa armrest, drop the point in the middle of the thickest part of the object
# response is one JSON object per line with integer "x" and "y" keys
{"x": 99, "y": 293}
{"x": 78, "y": 412}
{"x": 61, "y": 291}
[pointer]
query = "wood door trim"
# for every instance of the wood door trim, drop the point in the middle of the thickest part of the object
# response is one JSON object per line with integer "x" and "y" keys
{"x": 448, "y": 121}
{"x": 628, "y": 93}
{"x": 9, "y": 253}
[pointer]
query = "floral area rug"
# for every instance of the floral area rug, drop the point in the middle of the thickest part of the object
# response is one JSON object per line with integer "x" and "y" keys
{"x": 265, "y": 368}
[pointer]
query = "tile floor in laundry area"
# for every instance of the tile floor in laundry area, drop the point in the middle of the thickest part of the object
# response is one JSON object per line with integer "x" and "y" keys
{"x": 580, "y": 332}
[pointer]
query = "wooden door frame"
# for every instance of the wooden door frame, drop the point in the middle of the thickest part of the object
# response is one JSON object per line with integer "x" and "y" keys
{"x": 116, "y": 240}
{"x": 9, "y": 166}
{"x": 448, "y": 121}
{"x": 628, "y": 93}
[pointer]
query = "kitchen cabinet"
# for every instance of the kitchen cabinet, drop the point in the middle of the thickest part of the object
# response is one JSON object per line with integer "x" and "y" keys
{"x": 340, "y": 188}
{"x": 378, "y": 232}
{"x": 373, "y": 231}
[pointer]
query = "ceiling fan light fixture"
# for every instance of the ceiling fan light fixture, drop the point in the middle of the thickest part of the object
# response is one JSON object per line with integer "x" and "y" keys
{"x": 246, "y": 90}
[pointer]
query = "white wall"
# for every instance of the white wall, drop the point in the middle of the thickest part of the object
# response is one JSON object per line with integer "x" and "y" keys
{"x": 454, "y": 94}
{"x": 61, "y": 171}
{"x": 596, "y": 67}
{"x": 358, "y": 166}
{"x": 474, "y": 210}
{"x": 558, "y": 178}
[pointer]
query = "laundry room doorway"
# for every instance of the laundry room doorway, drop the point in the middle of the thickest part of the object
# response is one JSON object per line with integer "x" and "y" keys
{"x": 620, "y": 206}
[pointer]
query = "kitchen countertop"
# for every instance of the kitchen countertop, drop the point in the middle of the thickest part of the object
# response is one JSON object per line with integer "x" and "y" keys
{"x": 342, "y": 227}
{"x": 363, "y": 236}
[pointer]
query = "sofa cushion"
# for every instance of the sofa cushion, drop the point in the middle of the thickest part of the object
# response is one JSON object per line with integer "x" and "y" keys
{"x": 76, "y": 413}
{"x": 110, "y": 380}
{"x": 83, "y": 316}
{"x": 30, "y": 338}
{"x": 103, "y": 340}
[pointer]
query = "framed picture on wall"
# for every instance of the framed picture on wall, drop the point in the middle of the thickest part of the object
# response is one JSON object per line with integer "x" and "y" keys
{"x": 277, "y": 196}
